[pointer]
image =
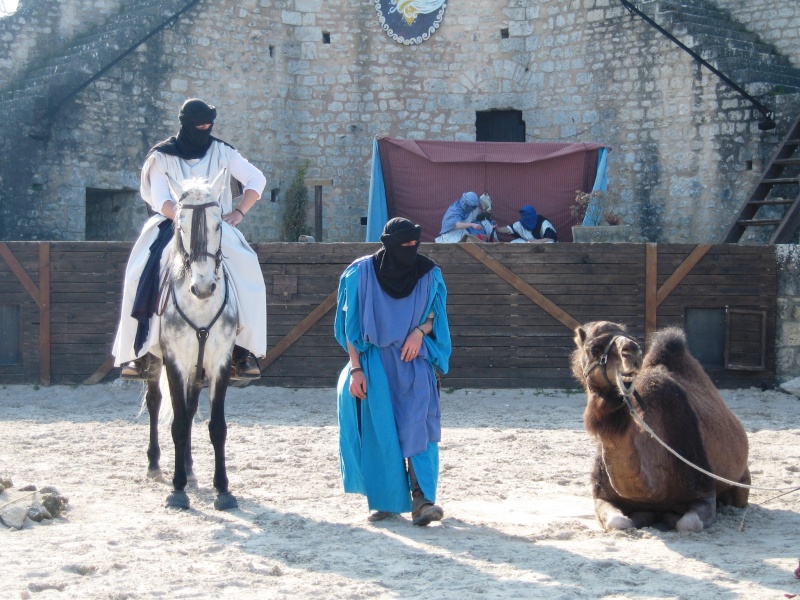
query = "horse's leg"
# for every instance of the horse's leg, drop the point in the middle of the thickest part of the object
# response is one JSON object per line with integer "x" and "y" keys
{"x": 178, "y": 497}
{"x": 191, "y": 409}
{"x": 218, "y": 431}
{"x": 153, "y": 399}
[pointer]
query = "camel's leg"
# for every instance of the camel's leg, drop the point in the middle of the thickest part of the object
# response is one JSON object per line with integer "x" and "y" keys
{"x": 737, "y": 496}
{"x": 700, "y": 516}
{"x": 178, "y": 497}
{"x": 611, "y": 516}
{"x": 218, "y": 431}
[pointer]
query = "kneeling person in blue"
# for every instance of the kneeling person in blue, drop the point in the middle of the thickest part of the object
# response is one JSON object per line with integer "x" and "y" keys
{"x": 391, "y": 318}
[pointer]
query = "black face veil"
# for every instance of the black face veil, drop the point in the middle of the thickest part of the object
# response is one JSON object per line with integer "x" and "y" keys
{"x": 399, "y": 267}
{"x": 191, "y": 142}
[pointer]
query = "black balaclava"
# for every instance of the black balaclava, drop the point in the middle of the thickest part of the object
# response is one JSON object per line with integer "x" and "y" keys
{"x": 399, "y": 267}
{"x": 190, "y": 141}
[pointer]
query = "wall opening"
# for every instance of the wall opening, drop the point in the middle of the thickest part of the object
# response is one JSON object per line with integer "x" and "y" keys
{"x": 705, "y": 333}
{"x": 499, "y": 126}
{"x": 114, "y": 215}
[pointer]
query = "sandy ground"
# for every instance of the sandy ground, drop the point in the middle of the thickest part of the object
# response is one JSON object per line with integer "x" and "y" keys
{"x": 519, "y": 520}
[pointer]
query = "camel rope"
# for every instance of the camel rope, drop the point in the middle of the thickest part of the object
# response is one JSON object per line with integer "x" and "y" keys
{"x": 627, "y": 399}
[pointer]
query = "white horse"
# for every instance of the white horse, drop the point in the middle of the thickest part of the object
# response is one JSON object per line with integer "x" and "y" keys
{"x": 198, "y": 329}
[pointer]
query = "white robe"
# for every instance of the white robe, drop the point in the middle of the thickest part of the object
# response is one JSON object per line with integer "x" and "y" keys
{"x": 240, "y": 261}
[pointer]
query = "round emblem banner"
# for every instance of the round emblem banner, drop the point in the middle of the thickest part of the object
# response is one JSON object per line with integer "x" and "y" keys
{"x": 410, "y": 21}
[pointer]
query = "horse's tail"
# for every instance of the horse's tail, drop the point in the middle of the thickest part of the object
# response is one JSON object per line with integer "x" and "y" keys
{"x": 165, "y": 415}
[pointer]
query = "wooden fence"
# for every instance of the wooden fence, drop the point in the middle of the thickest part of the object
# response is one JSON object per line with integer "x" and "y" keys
{"x": 512, "y": 307}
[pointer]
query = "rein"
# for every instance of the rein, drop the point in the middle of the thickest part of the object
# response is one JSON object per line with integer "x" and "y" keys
{"x": 201, "y": 332}
{"x": 627, "y": 400}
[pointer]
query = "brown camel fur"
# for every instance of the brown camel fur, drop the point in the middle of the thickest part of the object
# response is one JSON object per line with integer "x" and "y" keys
{"x": 636, "y": 481}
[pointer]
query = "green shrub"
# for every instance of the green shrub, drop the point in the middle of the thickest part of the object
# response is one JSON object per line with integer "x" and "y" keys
{"x": 294, "y": 219}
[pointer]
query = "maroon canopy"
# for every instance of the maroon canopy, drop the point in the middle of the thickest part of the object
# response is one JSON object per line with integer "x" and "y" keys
{"x": 423, "y": 178}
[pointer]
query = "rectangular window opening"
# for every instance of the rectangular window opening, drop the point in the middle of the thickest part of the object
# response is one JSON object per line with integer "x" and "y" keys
{"x": 273, "y": 194}
{"x": 113, "y": 215}
{"x": 705, "y": 334}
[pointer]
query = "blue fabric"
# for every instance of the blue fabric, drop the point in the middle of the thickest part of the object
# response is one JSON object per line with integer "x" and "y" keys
{"x": 594, "y": 212}
{"x": 144, "y": 303}
{"x": 459, "y": 211}
{"x": 392, "y": 425}
{"x": 528, "y": 217}
{"x": 377, "y": 212}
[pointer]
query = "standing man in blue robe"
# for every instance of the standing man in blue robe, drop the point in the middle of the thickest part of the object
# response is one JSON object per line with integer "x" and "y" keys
{"x": 391, "y": 318}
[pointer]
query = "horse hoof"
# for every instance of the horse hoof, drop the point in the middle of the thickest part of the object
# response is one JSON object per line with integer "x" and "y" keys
{"x": 178, "y": 499}
{"x": 225, "y": 501}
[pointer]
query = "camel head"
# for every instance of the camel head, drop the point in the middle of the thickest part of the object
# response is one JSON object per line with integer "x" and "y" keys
{"x": 606, "y": 357}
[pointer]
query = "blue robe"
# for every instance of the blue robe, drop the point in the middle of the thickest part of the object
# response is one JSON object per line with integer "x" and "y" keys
{"x": 400, "y": 417}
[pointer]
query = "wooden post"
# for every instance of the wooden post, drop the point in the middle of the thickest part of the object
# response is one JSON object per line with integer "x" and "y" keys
{"x": 650, "y": 290}
{"x": 318, "y": 183}
{"x": 44, "y": 313}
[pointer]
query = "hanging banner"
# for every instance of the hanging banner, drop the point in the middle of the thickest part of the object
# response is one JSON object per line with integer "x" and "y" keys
{"x": 410, "y": 22}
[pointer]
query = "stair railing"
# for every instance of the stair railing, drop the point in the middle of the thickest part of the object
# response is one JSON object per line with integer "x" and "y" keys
{"x": 766, "y": 123}
{"x": 39, "y": 130}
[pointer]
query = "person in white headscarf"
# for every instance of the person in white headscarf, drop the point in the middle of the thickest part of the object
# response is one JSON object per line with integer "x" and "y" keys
{"x": 461, "y": 218}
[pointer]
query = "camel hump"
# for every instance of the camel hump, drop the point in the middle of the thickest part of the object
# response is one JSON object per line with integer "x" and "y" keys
{"x": 668, "y": 347}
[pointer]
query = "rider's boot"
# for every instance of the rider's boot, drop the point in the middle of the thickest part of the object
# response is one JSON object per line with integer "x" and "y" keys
{"x": 244, "y": 364}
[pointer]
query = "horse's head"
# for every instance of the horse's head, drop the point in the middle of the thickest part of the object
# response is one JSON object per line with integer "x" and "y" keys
{"x": 606, "y": 357}
{"x": 198, "y": 232}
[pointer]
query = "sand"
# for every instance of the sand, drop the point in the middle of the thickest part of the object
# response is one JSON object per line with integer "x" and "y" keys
{"x": 514, "y": 485}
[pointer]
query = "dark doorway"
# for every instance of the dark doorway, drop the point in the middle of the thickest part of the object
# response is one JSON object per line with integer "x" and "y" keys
{"x": 114, "y": 215}
{"x": 499, "y": 126}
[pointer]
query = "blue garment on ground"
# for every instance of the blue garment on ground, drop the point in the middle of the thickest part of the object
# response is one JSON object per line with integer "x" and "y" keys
{"x": 400, "y": 417}
{"x": 459, "y": 210}
{"x": 144, "y": 304}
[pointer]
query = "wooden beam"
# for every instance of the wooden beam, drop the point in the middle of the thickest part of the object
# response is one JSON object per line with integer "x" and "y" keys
{"x": 681, "y": 272}
{"x": 44, "y": 312}
{"x": 299, "y": 330}
{"x": 521, "y": 285}
{"x": 101, "y": 372}
{"x": 19, "y": 271}
{"x": 650, "y": 290}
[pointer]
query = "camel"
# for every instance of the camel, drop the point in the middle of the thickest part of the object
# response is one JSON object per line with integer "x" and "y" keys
{"x": 636, "y": 482}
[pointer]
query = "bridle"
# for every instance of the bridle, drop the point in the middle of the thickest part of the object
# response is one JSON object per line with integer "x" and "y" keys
{"x": 601, "y": 360}
{"x": 202, "y": 333}
{"x": 188, "y": 258}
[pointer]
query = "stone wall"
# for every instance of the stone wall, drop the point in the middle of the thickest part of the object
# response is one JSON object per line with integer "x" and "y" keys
{"x": 776, "y": 22}
{"x": 787, "y": 342}
{"x": 686, "y": 147}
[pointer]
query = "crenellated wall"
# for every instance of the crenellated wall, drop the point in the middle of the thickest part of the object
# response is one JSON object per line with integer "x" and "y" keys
{"x": 686, "y": 148}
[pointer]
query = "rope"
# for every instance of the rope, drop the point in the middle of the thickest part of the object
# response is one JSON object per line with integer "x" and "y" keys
{"x": 627, "y": 400}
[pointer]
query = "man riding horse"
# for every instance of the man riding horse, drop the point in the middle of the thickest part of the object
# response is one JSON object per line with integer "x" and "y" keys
{"x": 192, "y": 153}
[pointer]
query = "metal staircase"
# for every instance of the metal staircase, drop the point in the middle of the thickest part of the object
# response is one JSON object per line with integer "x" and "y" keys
{"x": 763, "y": 207}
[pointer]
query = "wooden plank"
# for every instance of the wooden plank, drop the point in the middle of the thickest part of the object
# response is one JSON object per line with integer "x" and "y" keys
{"x": 299, "y": 330}
{"x": 651, "y": 292}
{"x": 521, "y": 285}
